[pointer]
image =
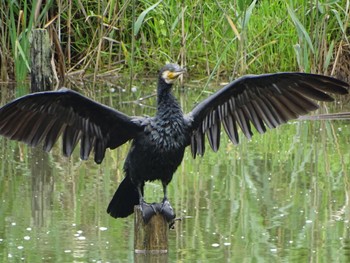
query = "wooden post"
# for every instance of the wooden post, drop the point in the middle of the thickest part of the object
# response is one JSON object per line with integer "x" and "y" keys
{"x": 41, "y": 74}
{"x": 150, "y": 238}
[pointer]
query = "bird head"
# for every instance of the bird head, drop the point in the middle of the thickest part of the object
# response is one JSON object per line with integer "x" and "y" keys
{"x": 170, "y": 72}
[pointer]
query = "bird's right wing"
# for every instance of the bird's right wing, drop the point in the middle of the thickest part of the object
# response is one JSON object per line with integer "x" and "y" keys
{"x": 44, "y": 116}
{"x": 262, "y": 100}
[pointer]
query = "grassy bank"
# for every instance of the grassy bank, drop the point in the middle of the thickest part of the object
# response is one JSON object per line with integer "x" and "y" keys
{"x": 216, "y": 38}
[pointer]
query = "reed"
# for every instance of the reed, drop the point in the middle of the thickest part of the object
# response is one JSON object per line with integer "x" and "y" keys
{"x": 214, "y": 38}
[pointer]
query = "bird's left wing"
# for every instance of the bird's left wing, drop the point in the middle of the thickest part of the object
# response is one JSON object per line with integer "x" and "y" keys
{"x": 44, "y": 116}
{"x": 263, "y": 100}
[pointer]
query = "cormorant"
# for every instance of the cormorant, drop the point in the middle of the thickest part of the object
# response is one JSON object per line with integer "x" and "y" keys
{"x": 159, "y": 142}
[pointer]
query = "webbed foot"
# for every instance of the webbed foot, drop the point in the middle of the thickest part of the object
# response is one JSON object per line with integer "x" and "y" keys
{"x": 148, "y": 210}
{"x": 167, "y": 211}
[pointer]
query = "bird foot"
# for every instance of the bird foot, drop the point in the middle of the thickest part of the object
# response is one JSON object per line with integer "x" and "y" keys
{"x": 167, "y": 211}
{"x": 148, "y": 210}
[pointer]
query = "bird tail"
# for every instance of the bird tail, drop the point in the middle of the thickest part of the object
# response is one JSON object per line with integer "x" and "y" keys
{"x": 124, "y": 199}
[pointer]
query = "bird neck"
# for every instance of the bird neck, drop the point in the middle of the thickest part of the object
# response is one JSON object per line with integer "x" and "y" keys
{"x": 166, "y": 102}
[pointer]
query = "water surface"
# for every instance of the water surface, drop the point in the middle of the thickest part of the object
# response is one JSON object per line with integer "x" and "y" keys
{"x": 281, "y": 197}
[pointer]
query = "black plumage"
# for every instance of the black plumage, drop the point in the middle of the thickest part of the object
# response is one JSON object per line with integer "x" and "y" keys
{"x": 159, "y": 142}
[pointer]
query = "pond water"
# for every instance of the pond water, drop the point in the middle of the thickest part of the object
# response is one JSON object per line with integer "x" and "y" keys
{"x": 281, "y": 197}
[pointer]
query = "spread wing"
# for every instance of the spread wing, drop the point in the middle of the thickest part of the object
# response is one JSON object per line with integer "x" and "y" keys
{"x": 262, "y": 100}
{"x": 44, "y": 116}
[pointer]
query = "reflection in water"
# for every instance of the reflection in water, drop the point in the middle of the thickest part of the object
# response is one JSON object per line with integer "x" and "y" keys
{"x": 42, "y": 186}
{"x": 150, "y": 258}
{"x": 283, "y": 196}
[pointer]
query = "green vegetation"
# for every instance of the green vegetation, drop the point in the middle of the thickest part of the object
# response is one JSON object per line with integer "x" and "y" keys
{"x": 217, "y": 38}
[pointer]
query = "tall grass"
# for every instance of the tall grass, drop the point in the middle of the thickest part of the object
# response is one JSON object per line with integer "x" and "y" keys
{"x": 216, "y": 38}
{"x": 17, "y": 19}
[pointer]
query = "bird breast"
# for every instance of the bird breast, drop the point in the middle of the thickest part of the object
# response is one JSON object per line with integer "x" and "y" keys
{"x": 166, "y": 135}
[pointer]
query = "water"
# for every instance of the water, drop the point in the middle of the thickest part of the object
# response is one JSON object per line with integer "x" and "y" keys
{"x": 281, "y": 197}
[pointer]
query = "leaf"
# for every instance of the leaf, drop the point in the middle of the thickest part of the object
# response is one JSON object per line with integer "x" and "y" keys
{"x": 241, "y": 4}
{"x": 125, "y": 51}
{"x": 247, "y": 14}
{"x": 300, "y": 28}
{"x": 22, "y": 54}
{"x": 178, "y": 18}
{"x": 298, "y": 55}
{"x": 340, "y": 22}
{"x": 142, "y": 16}
{"x": 329, "y": 56}
{"x": 234, "y": 28}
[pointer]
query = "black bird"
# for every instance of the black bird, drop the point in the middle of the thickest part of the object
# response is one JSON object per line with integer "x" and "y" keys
{"x": 159, "y": 142}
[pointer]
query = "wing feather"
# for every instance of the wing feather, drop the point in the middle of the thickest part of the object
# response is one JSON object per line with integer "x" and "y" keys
{"x": 231, "y": 128}
{"x": 263, "y": 100}
{"x": 42, "y": 117}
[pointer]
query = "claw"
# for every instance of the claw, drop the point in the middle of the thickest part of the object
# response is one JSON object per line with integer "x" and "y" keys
{"x": 167, "y": 211}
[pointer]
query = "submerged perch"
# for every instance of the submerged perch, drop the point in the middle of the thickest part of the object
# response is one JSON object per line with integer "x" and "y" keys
{"x": 150, "y": 237}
